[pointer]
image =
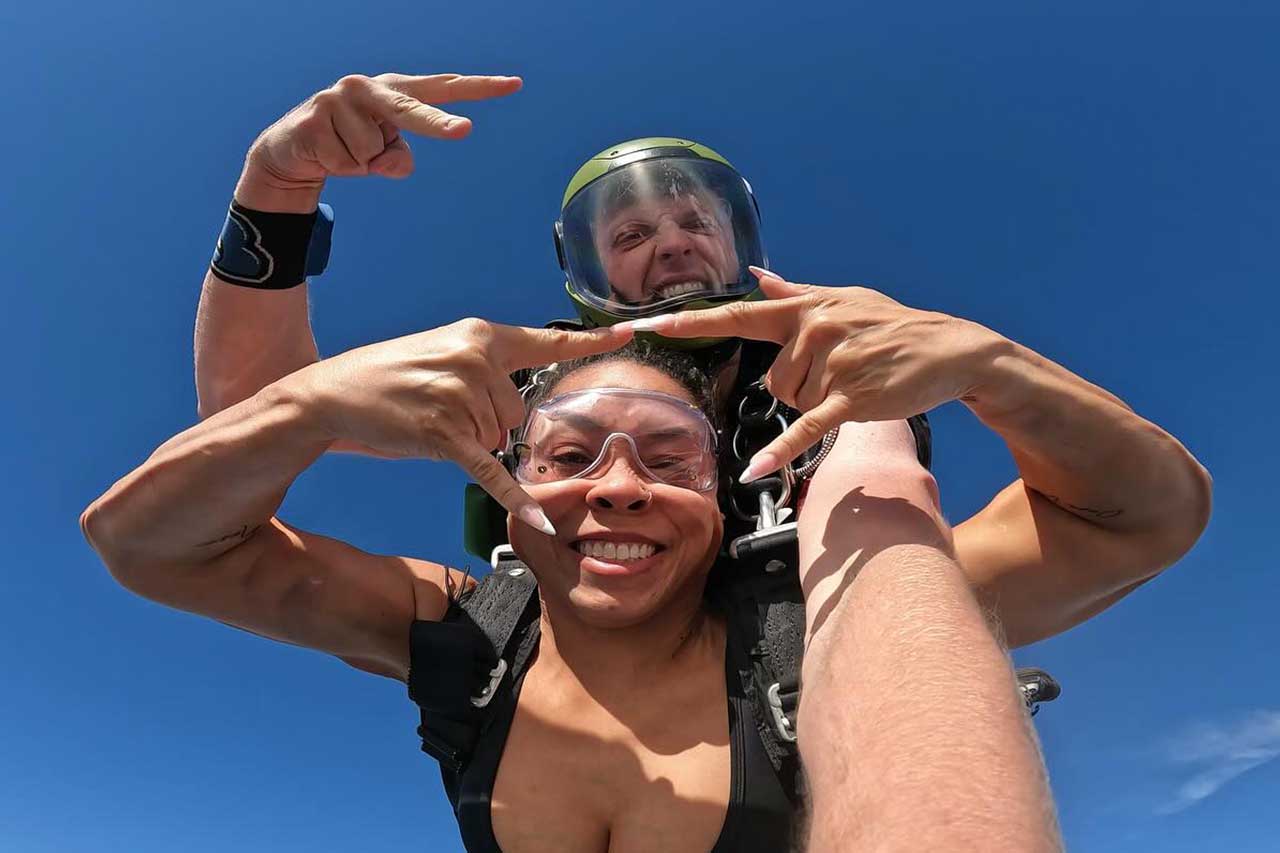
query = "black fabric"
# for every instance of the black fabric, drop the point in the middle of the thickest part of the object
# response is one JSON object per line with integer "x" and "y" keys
{"x": 760, "y": 814}
{"x": 450, "y": 661}
{"x": 264, "y": 251}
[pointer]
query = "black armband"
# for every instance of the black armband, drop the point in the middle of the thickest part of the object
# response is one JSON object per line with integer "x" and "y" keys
{"x": 272, "y": 251}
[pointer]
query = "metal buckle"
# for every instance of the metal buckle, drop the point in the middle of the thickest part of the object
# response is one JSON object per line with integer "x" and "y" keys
{"x": 491, "y": 689}
{"x": 780, "y": 722}
{"x": 762, "y": 540}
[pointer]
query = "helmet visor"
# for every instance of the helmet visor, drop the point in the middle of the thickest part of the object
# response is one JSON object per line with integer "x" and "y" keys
{"x": 653, "y": 235}
{"x": 577, "y": 434}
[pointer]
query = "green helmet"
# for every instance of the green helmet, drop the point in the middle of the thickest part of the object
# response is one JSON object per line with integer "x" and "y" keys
{"x": 657, "y": 225}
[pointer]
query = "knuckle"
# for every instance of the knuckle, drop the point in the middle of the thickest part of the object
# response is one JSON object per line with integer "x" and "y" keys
{"x": 326, "y": 99}
{"x": 404, "y": 104}
{"x": 473, "y": 327}
{"x": 314, "y": 122}
{"x": 352, "y": 84}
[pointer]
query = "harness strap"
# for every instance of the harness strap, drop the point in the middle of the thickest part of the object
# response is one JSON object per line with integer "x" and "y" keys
{"x": 463, "y": 661}
{"x": 766, "y": 605}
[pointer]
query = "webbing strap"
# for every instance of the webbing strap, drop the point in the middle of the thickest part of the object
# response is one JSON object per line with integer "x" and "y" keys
{"x": 456, "y": 665}
{"x": 499, "y": 615}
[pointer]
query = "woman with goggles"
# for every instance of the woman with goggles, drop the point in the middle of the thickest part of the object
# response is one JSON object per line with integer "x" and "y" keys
{"x": 630, "y": 725}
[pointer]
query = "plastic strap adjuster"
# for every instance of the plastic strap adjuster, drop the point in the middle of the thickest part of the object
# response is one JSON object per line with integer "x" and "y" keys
{"x": 486, "y": 694}
{"x": 781, "y": 722}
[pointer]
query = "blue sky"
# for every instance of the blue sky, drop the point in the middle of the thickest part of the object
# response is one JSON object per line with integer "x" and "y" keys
{"x": 1099, "y": 182}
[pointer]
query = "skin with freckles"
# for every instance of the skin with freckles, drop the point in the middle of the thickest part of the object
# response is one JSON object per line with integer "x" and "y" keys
{"x": 650, "y": 248}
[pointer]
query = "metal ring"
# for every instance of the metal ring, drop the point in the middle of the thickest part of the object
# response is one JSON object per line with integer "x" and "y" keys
{"x": 781, "y": 501}
{"x": 745, "y": 417}
{"x": 736, "y": 444}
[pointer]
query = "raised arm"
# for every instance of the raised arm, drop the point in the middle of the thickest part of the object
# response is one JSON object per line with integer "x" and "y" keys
{"x": 194, "y": 526}
{"x": 246, "y": 336}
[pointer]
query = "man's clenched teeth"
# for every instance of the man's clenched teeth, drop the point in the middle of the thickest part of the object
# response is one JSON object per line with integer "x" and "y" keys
{"x": 680, "y": 288}
{"x": 615, "y": 550}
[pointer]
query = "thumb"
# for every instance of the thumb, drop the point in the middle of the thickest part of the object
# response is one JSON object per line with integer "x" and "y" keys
{"x": 807, "y": 431}
{"x": 775, "y": 286}
{"x": 494, "y": 479}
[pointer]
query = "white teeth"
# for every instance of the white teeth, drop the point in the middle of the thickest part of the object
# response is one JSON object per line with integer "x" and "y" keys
{"x": 615, "y": 550}
{"x": 680, "y": 288}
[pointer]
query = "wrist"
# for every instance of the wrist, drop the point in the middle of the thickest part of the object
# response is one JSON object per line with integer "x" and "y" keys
{"x": 998, "y": 376}
{"x": 301, "y": 395}
{"x": 260, "y": 188}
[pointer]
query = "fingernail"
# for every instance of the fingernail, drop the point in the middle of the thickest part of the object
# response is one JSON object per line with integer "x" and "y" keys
{"x": 761, "y": 464}
{"x": 453, "y": 124}
{"x": 649, "y": 324}
{"x": 760, "y": 272}
{"x": 532, "y": 515}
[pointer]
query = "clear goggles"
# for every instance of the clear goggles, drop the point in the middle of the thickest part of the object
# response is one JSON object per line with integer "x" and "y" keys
{"x": 577, "y": 434}
{"x": 656, "y": 234}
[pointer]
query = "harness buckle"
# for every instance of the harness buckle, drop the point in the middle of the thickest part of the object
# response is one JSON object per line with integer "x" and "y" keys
{"x": 491, "y": 689}
{"x": 781, "y": 723}
{"x": 752, "y": 543}
{"x": 501, "y": 553}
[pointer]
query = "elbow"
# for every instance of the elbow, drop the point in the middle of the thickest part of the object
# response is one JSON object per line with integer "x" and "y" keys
{"x": 1200, "y": 503}
{"x": 100, "y": 525}
{"x": 96, "y": 525}
{"x": 1184, "y": 527}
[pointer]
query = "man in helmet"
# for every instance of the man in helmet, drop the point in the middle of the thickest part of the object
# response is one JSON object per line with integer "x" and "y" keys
{"x": 656, "y": 225}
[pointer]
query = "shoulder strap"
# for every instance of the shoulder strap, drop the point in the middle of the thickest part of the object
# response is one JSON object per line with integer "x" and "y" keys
{"x": 766, "y": 605}
{"x": 458, "y": 665}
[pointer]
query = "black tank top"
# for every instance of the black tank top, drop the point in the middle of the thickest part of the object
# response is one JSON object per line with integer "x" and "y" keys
{"x": 759, "y": 817}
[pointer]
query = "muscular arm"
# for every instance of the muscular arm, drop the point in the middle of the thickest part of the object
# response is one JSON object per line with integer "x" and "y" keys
{"x": 911, "y": 729}
{"x": 245, "y": 338}
{"x": 1105, "y": 501}
{"x": 194, "y": 528}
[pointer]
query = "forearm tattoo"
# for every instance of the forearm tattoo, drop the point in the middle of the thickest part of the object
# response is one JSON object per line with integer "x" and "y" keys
{"x": 1085, "y": 512}
{"x": 240, "y": 535}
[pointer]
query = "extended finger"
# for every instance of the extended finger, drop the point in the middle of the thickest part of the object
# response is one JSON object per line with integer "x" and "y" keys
{"x": 402, "y": 110}
{"x": 775, "y": 286}
{"x": 494, "y": 479}
{"x": 444, "y": 88}
{"x": 517, "y": 346}
{"x": 807, "y": 431}
{"x": 760, "y": 321}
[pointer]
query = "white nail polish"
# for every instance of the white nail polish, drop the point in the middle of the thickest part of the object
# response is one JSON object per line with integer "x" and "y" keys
{"x": 537, "y": 519}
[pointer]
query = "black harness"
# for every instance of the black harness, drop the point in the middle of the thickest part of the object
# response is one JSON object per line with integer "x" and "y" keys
{"x": 487, "y": 638}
